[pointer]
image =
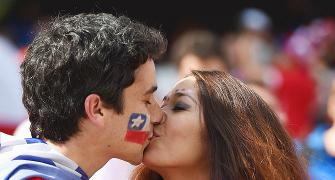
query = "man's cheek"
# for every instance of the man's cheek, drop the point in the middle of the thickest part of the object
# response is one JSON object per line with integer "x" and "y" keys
{"x": 137, "y": 130}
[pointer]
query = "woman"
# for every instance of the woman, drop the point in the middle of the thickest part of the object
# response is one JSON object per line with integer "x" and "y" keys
{"x": 217, "y": 128}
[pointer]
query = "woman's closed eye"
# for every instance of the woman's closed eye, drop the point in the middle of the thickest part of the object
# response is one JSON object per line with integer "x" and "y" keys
{"x": 180, "y": 106}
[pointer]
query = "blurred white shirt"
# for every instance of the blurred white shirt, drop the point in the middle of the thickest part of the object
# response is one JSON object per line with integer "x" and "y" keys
{"x": 12, "y": 111}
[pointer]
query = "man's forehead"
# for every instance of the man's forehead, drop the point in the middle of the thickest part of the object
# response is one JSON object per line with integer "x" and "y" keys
{"x": 145, "y": 78}
{"x": 144, "y": 86}
{"x": 143, "y": 69}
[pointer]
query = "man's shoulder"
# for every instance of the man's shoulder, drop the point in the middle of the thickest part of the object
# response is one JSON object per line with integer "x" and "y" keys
{"x": 25, "y": 169}
{"x": 24, "y": 158}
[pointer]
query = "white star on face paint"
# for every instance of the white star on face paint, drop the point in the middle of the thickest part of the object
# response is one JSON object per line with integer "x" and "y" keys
{"x": 137, "y": 122}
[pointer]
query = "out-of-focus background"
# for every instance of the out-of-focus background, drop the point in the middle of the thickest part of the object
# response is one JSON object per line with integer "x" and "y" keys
{"x": 284, "y": 50}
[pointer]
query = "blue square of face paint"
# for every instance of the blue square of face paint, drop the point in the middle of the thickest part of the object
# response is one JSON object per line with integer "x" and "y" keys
{"x": 137, "y": 121}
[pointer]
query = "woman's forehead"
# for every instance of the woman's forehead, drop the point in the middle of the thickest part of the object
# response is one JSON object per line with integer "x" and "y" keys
{"x": 186, "y": 83}
{"x": 186, "y": 86}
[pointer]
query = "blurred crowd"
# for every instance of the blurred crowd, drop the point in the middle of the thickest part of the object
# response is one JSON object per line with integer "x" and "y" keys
{"x": 293, "y": 72}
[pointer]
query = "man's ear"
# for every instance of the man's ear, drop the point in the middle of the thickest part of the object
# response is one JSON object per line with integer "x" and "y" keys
{"x": 93, "y": 109}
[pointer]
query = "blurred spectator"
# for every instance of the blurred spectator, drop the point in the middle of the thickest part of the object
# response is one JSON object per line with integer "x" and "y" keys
{"x": 255, "y": 58}
{"x": 295, "y": 89}
{"x": 322, "y": 59}
{"x": 321, "y": 143}
{"x": 250, "y": 50}
{"x": 306, "y": 69}
{"x": 12, "y": 111}
{"x": 196, "y": 49}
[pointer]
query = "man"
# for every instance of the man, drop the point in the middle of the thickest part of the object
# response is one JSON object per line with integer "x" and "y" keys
{"x": 88, "y": 83}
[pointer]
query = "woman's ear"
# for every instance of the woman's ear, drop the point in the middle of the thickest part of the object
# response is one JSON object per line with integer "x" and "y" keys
{"x": 93, "y": 109}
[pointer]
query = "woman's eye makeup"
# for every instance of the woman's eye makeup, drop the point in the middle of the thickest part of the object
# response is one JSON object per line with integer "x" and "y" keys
{"x": 180, "y": 106}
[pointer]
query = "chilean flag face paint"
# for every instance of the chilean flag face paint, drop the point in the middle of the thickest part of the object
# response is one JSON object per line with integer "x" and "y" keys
{"x": 135, "y": 132}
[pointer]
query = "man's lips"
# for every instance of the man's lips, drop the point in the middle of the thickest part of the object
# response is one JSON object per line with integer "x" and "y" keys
{"x": 153, "y": 135}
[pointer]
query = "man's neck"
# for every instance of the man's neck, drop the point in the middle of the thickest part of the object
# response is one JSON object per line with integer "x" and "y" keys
{"x": 86, "y": 155}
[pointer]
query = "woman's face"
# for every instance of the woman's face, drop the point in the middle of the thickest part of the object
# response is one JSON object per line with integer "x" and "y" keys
{"x": 179, "y": 140}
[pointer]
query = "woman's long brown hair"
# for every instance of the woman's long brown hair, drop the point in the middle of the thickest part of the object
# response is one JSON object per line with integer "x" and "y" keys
{"x": 244, "y": 136}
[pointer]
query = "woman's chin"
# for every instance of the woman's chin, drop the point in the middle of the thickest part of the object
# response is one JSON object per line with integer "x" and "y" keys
{"x": 150, "y": 159}
{"x": 147, "y": 159}
{"x": 153, "y": 153}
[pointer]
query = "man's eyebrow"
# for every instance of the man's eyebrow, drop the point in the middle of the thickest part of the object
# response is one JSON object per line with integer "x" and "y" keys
{"x": 179, "y": 94}
{"x": 151, "y": 90}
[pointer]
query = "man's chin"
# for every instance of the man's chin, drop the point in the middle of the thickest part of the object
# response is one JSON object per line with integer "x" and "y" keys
{"x": 137, "y": 158}
{"x": 136, "y": 161}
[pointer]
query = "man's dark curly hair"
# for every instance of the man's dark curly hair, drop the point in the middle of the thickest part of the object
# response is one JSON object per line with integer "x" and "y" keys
{"x": 75, "y": 56}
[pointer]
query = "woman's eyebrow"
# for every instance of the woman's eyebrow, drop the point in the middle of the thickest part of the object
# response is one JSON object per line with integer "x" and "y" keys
{"x": 179, "y": 94}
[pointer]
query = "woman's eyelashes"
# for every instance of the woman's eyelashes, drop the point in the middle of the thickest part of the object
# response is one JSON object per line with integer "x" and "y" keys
{"x": 180, "y": 106}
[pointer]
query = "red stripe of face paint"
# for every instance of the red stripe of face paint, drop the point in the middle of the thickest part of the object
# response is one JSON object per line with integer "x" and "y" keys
{"x": 35, "y": 178}
{"x": 138, "y": 137}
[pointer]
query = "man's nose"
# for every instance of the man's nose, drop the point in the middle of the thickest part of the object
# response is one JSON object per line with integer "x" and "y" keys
{"x": 156, "y": 113}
